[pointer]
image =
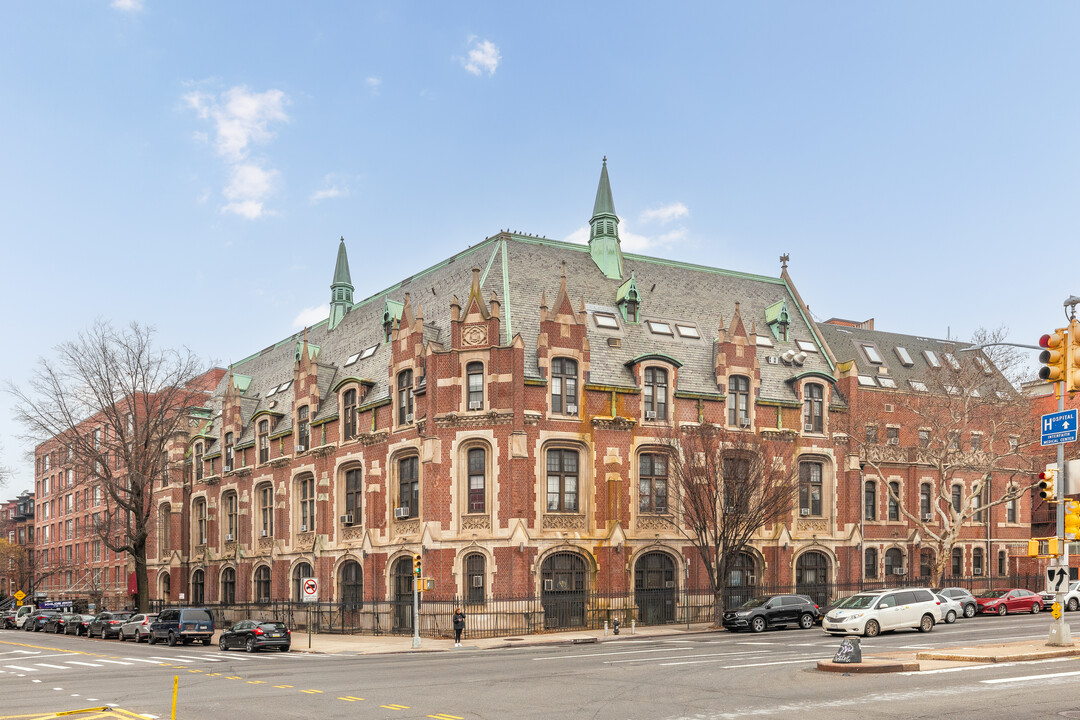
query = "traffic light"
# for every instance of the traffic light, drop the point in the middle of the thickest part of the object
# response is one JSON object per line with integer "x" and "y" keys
{"x": 1033, "y": 547}
{"x": 1055, "y": 357}
{"x": 1072, "y": 369}
{"x": 1072, "y": 519}
{"x": 416, "y": 564}
{"x": 1053, "y": 546}
{"x": 1047, "y": 479}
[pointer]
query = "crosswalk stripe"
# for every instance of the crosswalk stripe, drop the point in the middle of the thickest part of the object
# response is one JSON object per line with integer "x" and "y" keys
{"x": 77, "y": 662}
{"x": 1029, "y": 677}
{"x": 196, "y": 657}
{"x": 55, "y": 667}
{"x": 19, "y": 667}
{"x": 156, "y": 657}
{"x": 115, "y": 662}
{"x": 153, "y": 662}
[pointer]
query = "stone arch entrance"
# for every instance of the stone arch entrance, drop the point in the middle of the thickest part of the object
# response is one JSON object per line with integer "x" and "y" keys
{"x": 656, "y": 590}
{"x": 564, "y": 582}
{"x": 402, "y": 602}
{"x": 812, "y": 576}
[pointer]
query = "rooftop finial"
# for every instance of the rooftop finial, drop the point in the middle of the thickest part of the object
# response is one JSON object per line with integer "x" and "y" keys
{"x": 563, "y": 269}
{"x": 605, "y": 159}
{"x": 784, "y": 261}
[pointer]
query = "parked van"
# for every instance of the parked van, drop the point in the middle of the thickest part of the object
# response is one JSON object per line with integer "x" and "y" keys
{"x": 182, "y": 625}
{"x": 22, "y": 613}
{"x": 869, "y": 613}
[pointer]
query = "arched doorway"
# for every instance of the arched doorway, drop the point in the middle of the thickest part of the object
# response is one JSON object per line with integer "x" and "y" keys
{"x": 812, "y": 576}
{"x": 198, "y": 587}
{"x": 655, "y": 590}
{"x": 742, "y": 581}
{"x": 165, "y": 586}
{"x": 402, "y": 588}
{"x": 564, "y": 581}
{"x": 351, "y": 585}
{"x": 301, "y": 571}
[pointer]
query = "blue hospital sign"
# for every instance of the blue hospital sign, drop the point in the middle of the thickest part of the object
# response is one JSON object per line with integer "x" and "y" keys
{"x": 1059, "y": 427}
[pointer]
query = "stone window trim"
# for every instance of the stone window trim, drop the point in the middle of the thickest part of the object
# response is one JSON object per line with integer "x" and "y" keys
{"x": 657, "y": 393}
{"x": 351, "y": 498}
{"x": 464, "y": 455}
{"x": 565, "y": 386}
{"x": 395, "y": 467}
{"x": 583, "y": 478}
{"x": 819, "y": 507}
{"x": 740, "y": 409}
{"x": 349, "y": 417}
{"x": 404, "y": 397}
{"x": 474, "y": 595}
{"x": 659, "y": 501}
{"x": 200, "y": 517}
{"x": 815, "y": 396}
{"x": 474, "y": 389}
{"x": 900, "y": 518}
{"x": 305, "y": 492}
{"x": 870, "y": 487}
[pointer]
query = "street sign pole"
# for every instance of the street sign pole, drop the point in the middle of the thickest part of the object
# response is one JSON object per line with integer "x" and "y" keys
{"x": 416, "y": 612}
{"x": 1059, "y": 629}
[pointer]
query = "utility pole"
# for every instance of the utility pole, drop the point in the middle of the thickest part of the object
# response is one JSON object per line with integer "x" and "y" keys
{"x": 416, "y": 602}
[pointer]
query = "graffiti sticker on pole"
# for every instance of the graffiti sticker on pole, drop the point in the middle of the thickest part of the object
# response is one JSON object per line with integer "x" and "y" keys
{"x": 309, "y": 590}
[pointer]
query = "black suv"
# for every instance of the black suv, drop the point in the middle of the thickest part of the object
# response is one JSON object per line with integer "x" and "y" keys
{"x": 962, "y": 596}
{"x": 107, "y": 624}
{"x": 182, "y": 625}
{"x": 772, "y": 611}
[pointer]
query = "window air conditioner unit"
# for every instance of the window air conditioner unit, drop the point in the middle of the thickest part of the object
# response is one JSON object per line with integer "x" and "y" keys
{"x": 401, "y": 513}
{"x": 347, "y": 519}
{"x": 300, "y": 447}
{"x": 668, "y": 584}
{"x": 476, "y": 404}
{"x": 730, "y": 509}
{"x": 977, "y": 571}
{"x": 408, "y": 417}
{"x": 808, "y": 428}
{"x": 478, "y": 581}
{"x": 549, "y": 584}
{"x": 804, "y": 511}
{"x": 303, "y": 528}
{"x": 928, "y": 516}
{"x": 263, "y": 533}
{"x": 650, "y": 414}
{"x": 894, "y": 441}
{"x": 228, "y": 537}
{"x": 898, "y": 571}
{"x": 571, "y": 409}
{"x": 744, "y": 423}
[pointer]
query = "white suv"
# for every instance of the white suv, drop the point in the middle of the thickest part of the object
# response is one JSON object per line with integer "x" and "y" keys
{"x": 1072, "y": 597}
{"x": 869, "y": 613}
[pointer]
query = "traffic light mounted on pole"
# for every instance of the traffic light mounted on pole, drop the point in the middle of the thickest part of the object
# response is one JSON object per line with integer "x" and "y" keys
{"x": 1055, "y": 356}
{"x": 416, "y": 564}
{"x": 1072, "y": 519}
{"x": 1047, "y": 480}
{"x": 1072, "y": 369}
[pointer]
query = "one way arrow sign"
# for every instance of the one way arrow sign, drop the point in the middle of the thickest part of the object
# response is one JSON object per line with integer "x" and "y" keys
{"x": 1057, "y": 580}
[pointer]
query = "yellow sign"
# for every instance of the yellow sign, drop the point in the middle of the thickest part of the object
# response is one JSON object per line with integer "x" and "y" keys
{"x": 19, "y": 595}
{"x": 1055, "y": 610}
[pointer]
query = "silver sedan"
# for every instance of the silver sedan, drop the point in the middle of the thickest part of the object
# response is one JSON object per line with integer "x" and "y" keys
{"x": 138, "y": 627}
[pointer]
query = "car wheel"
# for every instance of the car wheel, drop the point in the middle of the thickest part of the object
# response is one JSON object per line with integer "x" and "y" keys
{"x": 926, "y": 624}
{"x": 121, "y": 636}
{"x": 222, "y": 645}
{"x": 950, "y": 617}
{"x": 251, "y": 645}
{"x": 757, "y": 624}
{"x": 151, "y": 640}
{"x": 206, "y": 641}
{"x": 1036, "y": 608}
{"x": 172, "y": 640}
{"x": 1072, "y": 605}
{"x": 284, "y": 648}
{"x": 806, "y": 621}
{"x": 1002, "y": 610}
{"x": 969, "y": 611}
{"x": 872, "y": 628}
{"x": 58, "y": 630}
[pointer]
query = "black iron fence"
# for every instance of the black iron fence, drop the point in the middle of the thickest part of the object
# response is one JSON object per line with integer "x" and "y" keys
{"x": 555, "y": 611}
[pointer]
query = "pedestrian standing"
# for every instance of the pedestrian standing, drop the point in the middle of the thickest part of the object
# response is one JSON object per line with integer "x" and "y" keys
{"x": 459, "y": 626}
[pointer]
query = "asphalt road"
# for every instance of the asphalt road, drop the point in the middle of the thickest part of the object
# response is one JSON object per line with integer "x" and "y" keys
{"x": 704, "y": 677}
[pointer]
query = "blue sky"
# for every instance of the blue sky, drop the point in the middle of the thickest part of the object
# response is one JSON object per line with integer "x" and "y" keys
{"x": 192, "y": 165}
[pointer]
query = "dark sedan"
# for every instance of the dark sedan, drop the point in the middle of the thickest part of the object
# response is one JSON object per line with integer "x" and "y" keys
{"x": 58, "y": 623}
{"x": 107, "y": 624}
{"x": 37, "y": 621}
{"x": 772, "y": 611}
{"x": 79, "y": 626}
{"x": 253, "y": 635}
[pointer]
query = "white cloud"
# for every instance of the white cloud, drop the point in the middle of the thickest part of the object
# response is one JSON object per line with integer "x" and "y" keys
{"x": 311, "y": 316}
{"x": 374, "y": 84}
{"x": 631, "y": 241}
{"x": 665, "y": 214}
{"x": 127, "y": 5}
{"x": 579, "y": 236}
{"x": 329, "y": 193}
{"x": 242, "y": 119}
{"x": 483, "y": 57}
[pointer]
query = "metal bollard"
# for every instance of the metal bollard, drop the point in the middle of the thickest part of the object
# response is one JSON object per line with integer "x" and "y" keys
{"x": 605, "y": 628}
{"x": 633, "y": 626}
{"x": 615, "y": 626}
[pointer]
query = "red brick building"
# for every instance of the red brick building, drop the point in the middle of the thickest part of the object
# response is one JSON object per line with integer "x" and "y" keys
{"x": 17, "y": 527}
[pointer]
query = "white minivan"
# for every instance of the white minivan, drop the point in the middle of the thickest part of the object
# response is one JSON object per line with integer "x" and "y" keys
{"x": 869, "y": 613}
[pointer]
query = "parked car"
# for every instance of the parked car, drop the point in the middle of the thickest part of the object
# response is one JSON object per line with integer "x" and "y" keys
{"x": 7, "y": 620}
{"x": 137, "y": 628}
{"x": 772, "y": 611}
{"x": 58, "y": 622}
{"x": 22, "y": 614}
{"x": 1072, "y": 597}
{"x": 182, "y": 625}
{"x": 1002, "y": 602}
{"x": 869, "y": 613}
{"x": 107, "y": 623}
{"x": 35, "y": 622}
{"x": 949, "y": 609}
{"x": 963, "y": 596}
{"x": 255, "y": 635}
{"x": 80, "y": 626}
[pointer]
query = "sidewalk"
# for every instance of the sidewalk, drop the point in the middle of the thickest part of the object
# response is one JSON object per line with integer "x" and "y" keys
{"x": 955, "y": 657}
{"x": 375, "y": 644}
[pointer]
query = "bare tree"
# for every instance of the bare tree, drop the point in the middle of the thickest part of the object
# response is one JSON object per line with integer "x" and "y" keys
{"x": 726, "y": 485}
{"x": 112, "y": 401}
{"x": 973, "y": 426}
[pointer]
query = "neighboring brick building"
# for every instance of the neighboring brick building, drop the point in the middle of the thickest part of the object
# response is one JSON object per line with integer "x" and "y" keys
{"x": 17, "y": 527}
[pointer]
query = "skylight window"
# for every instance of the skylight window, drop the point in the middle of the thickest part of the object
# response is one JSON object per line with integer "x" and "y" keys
{"x": 764, "y": 341}
{"x": 952, "y": 361}
{"x": 931, "y": 359}
{"x": 952, "y": 389}
{"x": 984, "y": 364}
{"x": 369, "y": 352}
{"x": 352, "y": 358}
{"x": 606, "y": 320}
{"x": 867, "y": 381}
{"x": 872, "y": 354}
{"x": 284, "y": 386}
{"x": 905, "y": 358}
{"x": 806, "y": 346}
{"x": 886, "y": 382}
{"x": 271, "y": 391}
{"x": 688, "y": 331}
{"x": 918, "y": 386}
{"x": 659, "y": 328}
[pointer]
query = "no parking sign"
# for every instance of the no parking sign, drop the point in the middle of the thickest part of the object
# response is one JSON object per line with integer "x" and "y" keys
{"x": 309, "y": 589}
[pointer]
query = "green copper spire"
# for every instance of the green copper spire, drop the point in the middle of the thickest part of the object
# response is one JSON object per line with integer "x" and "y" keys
{"x": 604, "y": 243}
{"x": 341, "y": 289}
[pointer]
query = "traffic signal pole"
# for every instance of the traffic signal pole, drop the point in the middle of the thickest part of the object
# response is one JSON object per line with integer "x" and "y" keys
{"x": 1059, "y": 629}
{"x": 416, "y": 599}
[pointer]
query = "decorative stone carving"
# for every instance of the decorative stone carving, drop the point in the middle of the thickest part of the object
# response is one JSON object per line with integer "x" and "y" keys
{"x": 455, "y": 420}
{"x": 613, "y": 423}
{"x": 654, "y": 522}
{"x": 266, "y": 544}
{"x": 407, "y": 527}
{"x": 813, "y": 526}
{"x": 305, "y": 538}
{"x": 472, "y": 335}
{"x": 323, "y": 450}
{"x": 352, "y": 533}
{"x": 887, "y": 454}
{"x": 564, "y": 522}
{"x": 279, "y": 462}
{"x": 229, "y": 549}
{"x": 475, "y": 522}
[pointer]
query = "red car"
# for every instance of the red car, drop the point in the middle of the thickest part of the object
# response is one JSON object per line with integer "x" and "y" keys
{"x": 1011, "y": 600}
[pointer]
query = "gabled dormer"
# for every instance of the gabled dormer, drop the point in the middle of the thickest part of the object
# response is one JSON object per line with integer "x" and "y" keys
{"x": 779, "y": 320}
{"x": 562, "y": 349}
{"x": 628, "y": 300}
{"x": 604, "y": 231}
{"x": 736, "y": 352}
{"x": 476, "y": 324}
{"x": 391, "y": 316}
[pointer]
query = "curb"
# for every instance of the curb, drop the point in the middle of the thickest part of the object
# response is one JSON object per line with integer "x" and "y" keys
{"x": 868, "y": 666}
{"x": 1003, "y": 657}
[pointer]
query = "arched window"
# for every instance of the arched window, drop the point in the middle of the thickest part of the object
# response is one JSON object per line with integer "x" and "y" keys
{"x": 405, "y": 397}
{"x": 474, "y": 578}
{"x": 1003, "y": 563}
{"x": 165, "y": 583}
{"x": 198, "y": 587}
{"x": 477, "y": 480}
{"x": 303, "y": 429}
{"x": 894, "y": 562}
{"x": 265, "y": 495}
{"x": 652, "y": 483}
{"x": 409, "y": 485}
{"x": 738, "y": 401}
{"x": 926, "y": 563}
{"x": 198, "y": 461}
{"x": 656, "y": 393}
{"x": 306, "y": 487}
{"x": 957, "y": 498}
{"x": 228, "y": 501}
{"x": 743, "y": 578}
{"x": 957, "y": 562}
{"x": 813, "y": 408}
{"x": 474, "y": 375}
{"x": 264, "y": 441}
{"x": 812, "y": 576}
{"x": 301, "y": 571}
{"x": 229, "y": 443}
{"x": 924, "y": 502}
{"x": 348, "y": 414}
{"x": 870, "y": 500}
{"x": 562, "y": 480}
{"x": 894, "y": 504}
{"x": 564, "y": 386}
{"x": 810, "y": 489}
{"x": 199, "y": 507}
{"x": 164, "y": 529}
{"x": 978, "y": 556}
{"x": 351, "y": 582}
{"x": 262, "y": 584}
{"x": 228, "y": 586}
{"x": 354, "y": 496}
{"x": 870, "y": 563}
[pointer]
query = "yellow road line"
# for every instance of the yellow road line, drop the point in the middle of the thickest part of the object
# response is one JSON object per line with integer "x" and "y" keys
{"x": 395, "y": 707}
{"x": 213, "y": 674}
{"x": 350, "y": 698}
{"x": 444, "y": 716}
{"x": 277, "y": 686}
{"x": 311, "y": 692}
{"x": 233, "y": 677}
{"x": 256, "y": 682}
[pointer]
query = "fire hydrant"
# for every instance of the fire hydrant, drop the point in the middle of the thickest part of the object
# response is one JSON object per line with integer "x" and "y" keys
{"x": 615, "y": 626}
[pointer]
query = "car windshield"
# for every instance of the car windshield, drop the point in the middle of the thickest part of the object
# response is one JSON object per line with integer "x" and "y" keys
{"x": 756, "y": 602}
{"x": 274, "y": 626}
{"x": 857, "y": 602}
{"x": 121, "y": 616}
{"x": 992, "y": 593}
